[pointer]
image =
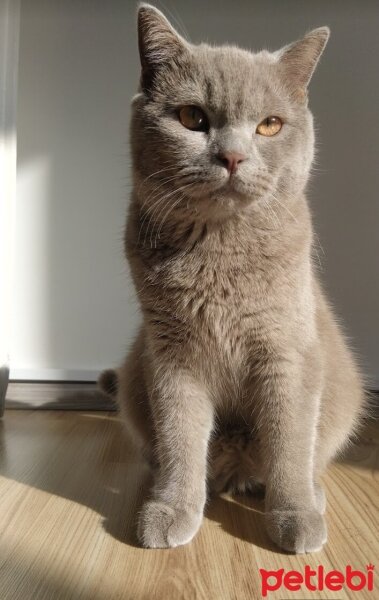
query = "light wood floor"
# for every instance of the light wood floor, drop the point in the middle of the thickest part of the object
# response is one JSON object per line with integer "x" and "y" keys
{"x": 69, "y": 490}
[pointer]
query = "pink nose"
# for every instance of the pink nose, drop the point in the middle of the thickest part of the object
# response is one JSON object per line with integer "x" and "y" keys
{"x": 231, "y": 160}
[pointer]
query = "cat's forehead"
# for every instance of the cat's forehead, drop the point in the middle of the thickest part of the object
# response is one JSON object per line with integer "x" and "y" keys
{"x": 231, "y": 82}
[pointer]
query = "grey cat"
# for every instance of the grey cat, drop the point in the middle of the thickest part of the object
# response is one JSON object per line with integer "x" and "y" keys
{"x": 240, "y": 375}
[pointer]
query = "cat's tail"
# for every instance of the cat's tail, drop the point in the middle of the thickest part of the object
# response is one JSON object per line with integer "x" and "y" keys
{"x": 108, "y": 382}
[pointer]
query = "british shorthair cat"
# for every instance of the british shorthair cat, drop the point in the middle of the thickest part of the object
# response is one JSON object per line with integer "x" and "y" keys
{"x": 240, "y": 377}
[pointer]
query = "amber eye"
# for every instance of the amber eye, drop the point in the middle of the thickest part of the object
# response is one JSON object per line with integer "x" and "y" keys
{"x": 270, "y": 126}
{"x": 193, "y": 118}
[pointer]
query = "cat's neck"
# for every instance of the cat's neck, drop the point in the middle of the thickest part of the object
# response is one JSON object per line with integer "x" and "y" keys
{"x": 271, "y": 227}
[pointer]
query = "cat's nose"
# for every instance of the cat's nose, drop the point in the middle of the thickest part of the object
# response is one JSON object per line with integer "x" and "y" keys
{"x": 231, "y": 160}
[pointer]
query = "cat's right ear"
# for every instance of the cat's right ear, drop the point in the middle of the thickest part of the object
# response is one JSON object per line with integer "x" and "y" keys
{"x": 158, "y": 43}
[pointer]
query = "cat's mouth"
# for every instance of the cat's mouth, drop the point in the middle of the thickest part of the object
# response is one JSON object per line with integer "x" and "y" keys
{"x": 230, "y": 189}
{"x": 234, "y": 184}
{"x": 234, "y": 188}
{"x": 229, "y": 185}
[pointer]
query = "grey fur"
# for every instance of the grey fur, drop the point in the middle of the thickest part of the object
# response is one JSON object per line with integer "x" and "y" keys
{"x": 237, "y": 334}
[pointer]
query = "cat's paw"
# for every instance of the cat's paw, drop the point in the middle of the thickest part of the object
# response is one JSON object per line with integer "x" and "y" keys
{"x": 163, "y": 526}
{"x": 297, "y": 531}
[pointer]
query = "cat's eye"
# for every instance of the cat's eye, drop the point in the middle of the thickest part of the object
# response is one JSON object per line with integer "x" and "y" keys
{"x": 192, "y": 117}
{"x": 270, "y": 126}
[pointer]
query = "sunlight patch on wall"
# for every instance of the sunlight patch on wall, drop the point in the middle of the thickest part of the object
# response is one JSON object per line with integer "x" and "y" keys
{"x": 7, "y": 193}
{"x": 30, "y": 329}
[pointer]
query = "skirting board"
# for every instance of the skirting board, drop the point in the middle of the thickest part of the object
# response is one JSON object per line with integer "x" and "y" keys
{"x": 56, "y": 396}
{"x": 63, "y": 395}
{"x": 85, "y": 375}
{"x": 4, "y": 381}
{"x": 68, "y": 375}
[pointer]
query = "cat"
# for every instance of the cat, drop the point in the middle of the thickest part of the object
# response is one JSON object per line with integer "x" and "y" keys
{"x": 239, "y": 377}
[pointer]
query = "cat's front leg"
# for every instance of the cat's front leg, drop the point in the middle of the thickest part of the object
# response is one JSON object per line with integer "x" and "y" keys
{"x": 183, "y": 419}
{"x": 288, "y": 425}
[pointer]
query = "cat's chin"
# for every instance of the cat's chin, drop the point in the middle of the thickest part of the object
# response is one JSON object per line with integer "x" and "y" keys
{"x": 232, "y": 201}
{"x": 233, "y": 190}
{"x": 219, "y": 206}
{"x": 220, "y": 200}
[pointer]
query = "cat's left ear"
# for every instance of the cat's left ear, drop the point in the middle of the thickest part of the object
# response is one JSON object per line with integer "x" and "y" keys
{"x": 299, "y": 60}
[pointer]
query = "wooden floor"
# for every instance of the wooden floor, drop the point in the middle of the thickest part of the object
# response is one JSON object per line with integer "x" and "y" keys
{"x": 69, "y": 490}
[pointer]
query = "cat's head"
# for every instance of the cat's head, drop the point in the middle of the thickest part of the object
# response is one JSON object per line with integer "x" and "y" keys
{"x": 219, "y": 129}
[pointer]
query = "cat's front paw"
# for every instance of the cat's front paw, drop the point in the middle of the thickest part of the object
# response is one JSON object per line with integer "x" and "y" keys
{"x": 297, "y": 531}
{"x": 163, "y": 526}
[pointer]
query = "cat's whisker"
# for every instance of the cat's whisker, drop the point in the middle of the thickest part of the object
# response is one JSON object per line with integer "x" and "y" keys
{"x": 315, "y": 249}
{"x": 162, "y": 183}
{"x": 276, "y": 199}
{"x": 164, "y": 170}
{"x": 157, "y": 198}
{"x": 179, "y": 190}
{"x": 319, "y": 243}
{"x": 150, "y": 214}
{"x": 165, "y": 218}
{"x": 180, "y": 175}
{"x": 157, "y": 205}
{"x": 147, "y": 215}
{"x": 272, "y": 216}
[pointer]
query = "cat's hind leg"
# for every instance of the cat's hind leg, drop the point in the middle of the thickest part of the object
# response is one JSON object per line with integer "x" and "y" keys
{"x": 127, "y": 386}
{"x": 234, "y": 463}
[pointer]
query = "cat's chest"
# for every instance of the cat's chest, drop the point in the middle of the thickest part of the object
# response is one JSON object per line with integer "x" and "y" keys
{"x": 215, "y": 297}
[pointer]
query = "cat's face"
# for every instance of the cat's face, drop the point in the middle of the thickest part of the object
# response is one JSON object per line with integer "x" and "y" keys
{"x": 218, "y": 129}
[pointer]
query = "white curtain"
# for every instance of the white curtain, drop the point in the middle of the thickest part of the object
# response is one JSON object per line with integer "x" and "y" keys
{"x": 9, "y": 42}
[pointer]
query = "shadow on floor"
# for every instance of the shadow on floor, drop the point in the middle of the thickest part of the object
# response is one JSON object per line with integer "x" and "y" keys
{"x": 86, "y": 458}
{"x": 242, "y": 517}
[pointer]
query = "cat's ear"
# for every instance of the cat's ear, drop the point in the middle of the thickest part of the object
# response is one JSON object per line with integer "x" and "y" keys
{"x": 158, "y": 42}
{"x": 299, "y": 60}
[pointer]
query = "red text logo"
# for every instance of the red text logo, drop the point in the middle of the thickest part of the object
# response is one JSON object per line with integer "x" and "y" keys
{"x": 317, "y": 579}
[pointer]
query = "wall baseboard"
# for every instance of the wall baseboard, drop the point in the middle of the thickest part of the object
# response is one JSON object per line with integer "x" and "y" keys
{"x": 64, "y": 395}
{"x": 4, "y": 381}
{"x": 57, "y": 396}
{"x": 54, "y": 374}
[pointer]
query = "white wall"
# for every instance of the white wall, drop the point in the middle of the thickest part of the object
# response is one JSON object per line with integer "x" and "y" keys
{"x": 78, "y": 70}
{"x": 73, "y": 305}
